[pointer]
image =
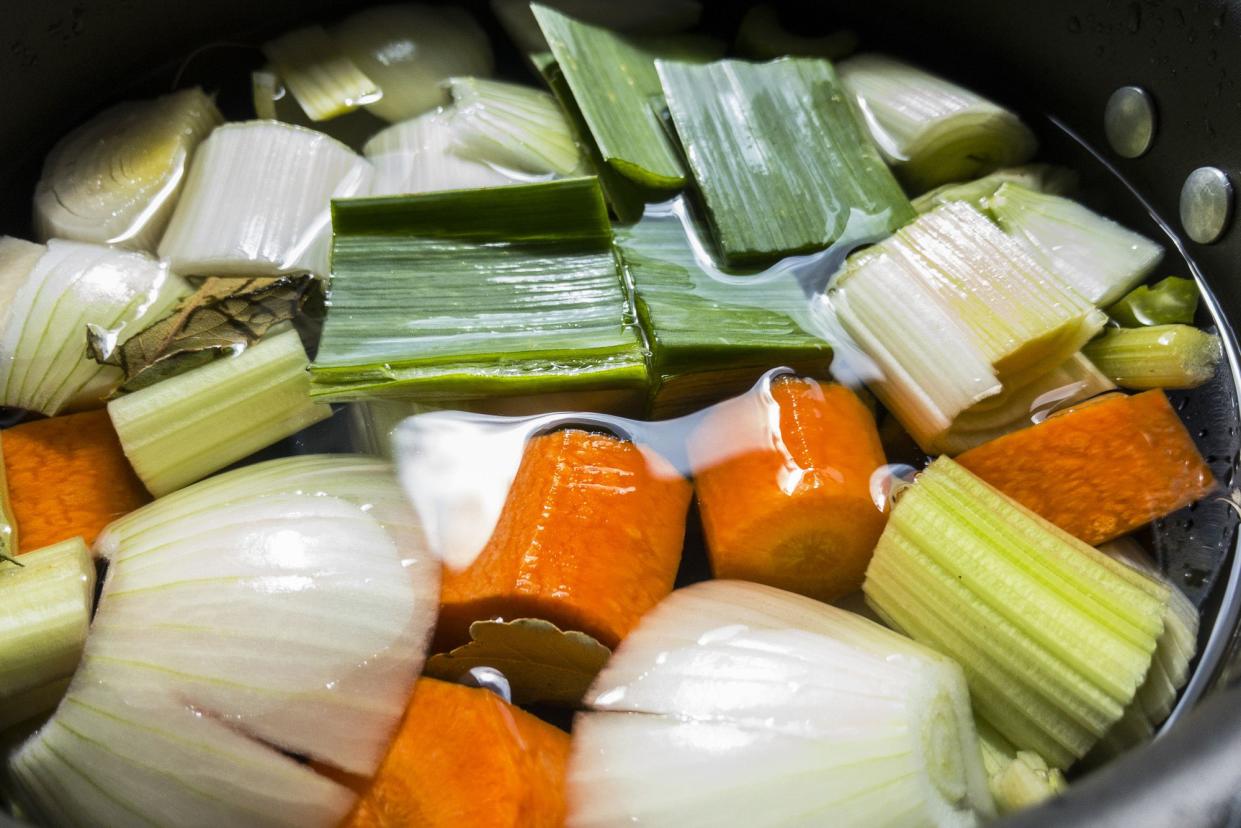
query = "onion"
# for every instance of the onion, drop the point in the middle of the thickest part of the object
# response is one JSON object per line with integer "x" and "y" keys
{"x": 739, "y": 704}
{"x": 282, "y": 608}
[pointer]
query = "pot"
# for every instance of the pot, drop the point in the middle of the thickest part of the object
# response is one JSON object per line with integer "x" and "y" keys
{"x": 1057, "y": 61}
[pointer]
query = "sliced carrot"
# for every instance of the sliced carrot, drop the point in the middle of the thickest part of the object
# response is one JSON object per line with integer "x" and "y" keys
{"x": 464, "y": 757}
{"x": 783, "y": 485}
{"x": 1101, "y": 469}
{"x": 589, "y": 538}
{"x": 67, "y": 477}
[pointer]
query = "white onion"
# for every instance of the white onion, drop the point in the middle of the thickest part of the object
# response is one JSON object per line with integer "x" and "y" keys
{"x": 416, "y": 157}
{"x": 116, "y": 178}
{"x": 258, "y": 201}
{"x": 739, "y": 704}
{"x": 283, "y": 608}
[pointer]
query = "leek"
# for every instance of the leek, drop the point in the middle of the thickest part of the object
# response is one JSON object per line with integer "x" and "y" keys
{"x": 116, "y": 178}
{"x": 953, "y": 313}
{"x": 512, "y": 127}
{"x": 256, "y": 202}
{"x": 279, "y": 610}
{"x": 1161, "y": 356}
{"x": 8, "y": 521}
{"x": 416, "y": 156}
{"x": 1042, "y": 178}
{"x": 188, "y": 426}
{"x": 711, "y": 336}
{"x": 1018, "y": 778}
{"x": 762, "y": 36}
{"x": 45, "y": 609}
{"x": 273, "y": 102}
{"x": 1096, "y": 256}
{"x": 1170, "y": 301}
{"x": 467, "y": 294}
{"x": 409, "y": 49}
{"x": 931, "y": 130}
{"x": 325, "y": 82}
{"x": 1055, "y": 637}
{"x": 43, "y": 361}
{"x": 779, "y": 158}
{"x": 739, "y": 704}
{"x": 634, "y": 17}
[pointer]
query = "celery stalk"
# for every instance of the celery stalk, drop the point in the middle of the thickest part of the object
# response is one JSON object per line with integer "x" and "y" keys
{"x": 1167, "y": 302}
{"x": 1161, "y": 356}
{"x": 1018, "y": 778}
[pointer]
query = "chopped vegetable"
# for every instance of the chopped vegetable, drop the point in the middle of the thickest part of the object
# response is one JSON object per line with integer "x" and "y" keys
{"x": 783, "y": 483}
{"x": 325, "y": 82}
{"x": 1170, "y": 301}
{"x": 409, "y": 49}
{"x": 1100, "y": 470}
{"x": 738, "y": 704}
{"x": 67, "y": 478}
{"x": 72, "y": 285}
{"x": 1055, "y": 637}
{"x": 9, "y": 533}
{"x": 762, "y": 36}
{"x": 459, "y": 295}
{"x": 1018, "y": 778}
{"x": 116, "y": 178}
{"x": 1042, "y": 178}
{"x": 955, "y": 314}
{"x": 779, "y": 157}
{"x": 45, "y": 608}
{"x": 1159, "y": 356}
{"x": 1096, "y": 256}
{"x": 18, "y": 258}
{"x": 416, "y": 156}
{"x": 256, "y": 202}
{"x": 279, "y": 610}
{"x": 589, "y": 538}
{"x": 463, "y": 756}
{"x": 931, "y": 130}
{"x": 184, "y": 428}
{"x": 635, "y": 17}
{"x": 273, "y": 102}
{"x": 512, "y": 127}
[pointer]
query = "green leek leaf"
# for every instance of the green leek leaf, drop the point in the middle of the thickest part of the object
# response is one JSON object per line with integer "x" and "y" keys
{"x": 778, "y": 154}
{"x": 1169, "y": 301}
{"x": 469, "y": 293}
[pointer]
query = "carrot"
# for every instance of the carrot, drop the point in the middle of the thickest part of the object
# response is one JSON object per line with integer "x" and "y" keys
{"x": 462, "y": 756}
{"x": 783, "y": 485}
{"x": 67, "y": 477}
{"x": 1101, "y": 469}
{"x": 589, "y": 538}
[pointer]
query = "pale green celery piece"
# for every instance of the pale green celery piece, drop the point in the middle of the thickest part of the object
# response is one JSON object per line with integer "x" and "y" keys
{"x": 188, "y": 426}
{"x": 762, "y": 36}
{"x": 1094, "y": 255}
{"x": 1055, "y": 637}
{"x": 8, "y": 522}
{"x": 1161, "y": 356}
{"x": 711, "y": 335}
{"x": 1018, "y": 778}
{"x": 514, "y": 127}
{"x": 45, "y": 610}
{"x": 1043, "y": 178}
{"x": 1170, "y": 301}
{"x": 778, "y": 155}
{"x": 651, "y": 17}
{"x": 457, "y": 295}
{"x": 320, "y": 76}
{"x": 274, "y": 102}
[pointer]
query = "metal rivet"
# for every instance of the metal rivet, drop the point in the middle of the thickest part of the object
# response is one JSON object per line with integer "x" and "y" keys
{"x": 1206, "y": 204}
{"x": 1129, "y": 121}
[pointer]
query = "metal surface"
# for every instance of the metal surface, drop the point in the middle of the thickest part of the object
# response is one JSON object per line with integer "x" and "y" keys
{"x": 1129, "y": 121}
{"x": 1206, "y": 204}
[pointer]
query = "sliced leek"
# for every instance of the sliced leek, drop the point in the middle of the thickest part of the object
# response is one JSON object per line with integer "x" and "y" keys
{"x": 45, "y": 608}
{"x": 1018, "y": 779}
{"x": 1042, "y": 178}
{"x": 416, "y": 156}
{"x": 776, "y": 151}
{"x": 257, "y": 201}
{"x": 512, "y": 127}
{"x": 116, "y": 178}
{"x": 8, "y": 521}
{"x": 634, "y": 17}
{"x": 1170, "y": 301}
{"x": 1160, "y": 356}
{"x": 274, "y": 102}
{"x": 43, "y": 362}
{"x": 1055, "y": 637}
{"x": 1096, "y": 256}
{"x": 184, "y": 428}
{"x": 325, "y": 82}
{"x": 931, "y": 130}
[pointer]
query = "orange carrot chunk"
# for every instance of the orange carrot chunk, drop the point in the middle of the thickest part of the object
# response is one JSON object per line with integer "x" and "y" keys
{"x": 464, "y": 756}
{"x": 67, "y": 477}
{"x": 783, "y": 485}
{"x": 1101, "y": 469}
{"x": 589, "y": 538}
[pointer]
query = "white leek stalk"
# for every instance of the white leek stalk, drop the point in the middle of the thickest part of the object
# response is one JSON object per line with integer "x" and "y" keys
{"x": 274, "y": 102}
{"x": 325, "y": 82}
{"x": 257, "y": 201}
{"x": 739, "y": 704}
{"x": 931, "y": 130}
{"x": 115, "y": 179}
{"x": 280, "y": 609}
{"x": 1096, "y": 256}
{"x": 17, "y": 259}
{"x": 652, "y": 17}
{"x": 43, "y": 362}
{"x": 416, "y": 156}
{"x": 46, "y": 598}
{"x": 186, "y": 427}
{"x": 1018, "y": 778}
{"x": 953, "y": 312}
{"x": 409, "y": 49}
{"x": 1043, "y": 178}
{"x": 513, "y": 127}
